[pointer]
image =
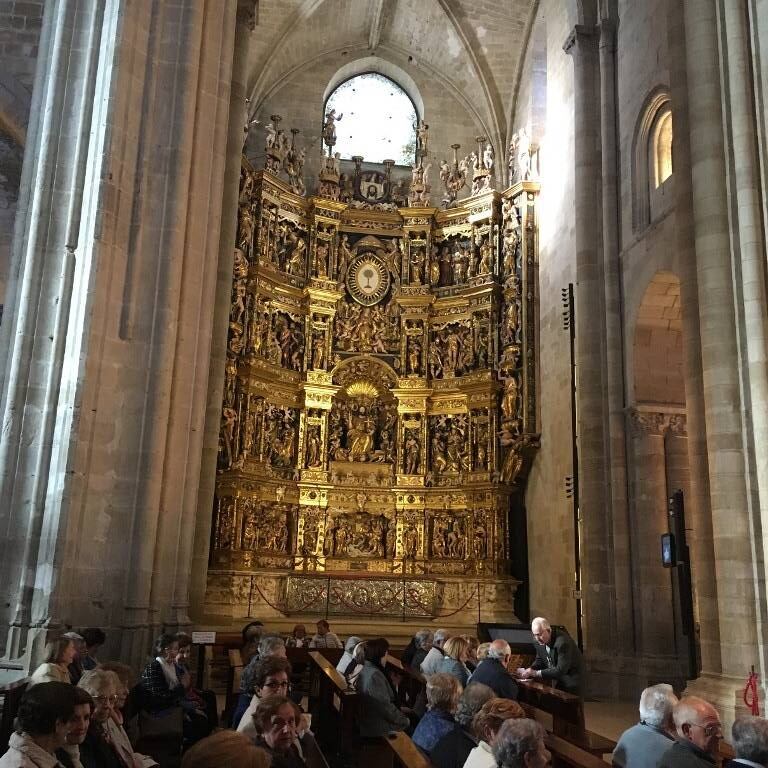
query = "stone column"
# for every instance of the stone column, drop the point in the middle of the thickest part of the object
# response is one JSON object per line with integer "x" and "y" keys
{"x": 731, "y": 522}
{"x": 697, "y": 501}
{"x": 245, "y": 25}
{"x": 597, "y": 528}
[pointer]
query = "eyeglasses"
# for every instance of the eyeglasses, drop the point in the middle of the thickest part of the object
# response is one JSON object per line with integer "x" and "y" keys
{"x": 713, "y": 729}
{"x": 280, "y": 724}
{"x": 110, "y": 699}
{"x": 274, "y": 685}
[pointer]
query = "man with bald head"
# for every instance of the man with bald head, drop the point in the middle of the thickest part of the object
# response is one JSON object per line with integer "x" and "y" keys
{"x": 644, "y": 744}
{"x": 558, "y": 659}
{"x": 699, "y": 733}
{"x": 492, "y": 671}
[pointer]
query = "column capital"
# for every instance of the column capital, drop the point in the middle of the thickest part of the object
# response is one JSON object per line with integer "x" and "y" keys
{"x": 581, "y": 33}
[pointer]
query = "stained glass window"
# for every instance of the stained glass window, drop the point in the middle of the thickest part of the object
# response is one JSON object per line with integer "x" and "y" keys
{"x": 378, "y": 120}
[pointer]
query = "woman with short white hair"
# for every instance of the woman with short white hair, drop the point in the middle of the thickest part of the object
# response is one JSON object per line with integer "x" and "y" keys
{"x": 443, "y": 692}
{"x": 520, "y": 744}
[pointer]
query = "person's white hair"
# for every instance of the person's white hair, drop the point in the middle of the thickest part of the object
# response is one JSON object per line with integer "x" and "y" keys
{"x": 515, "y": 739}
{"x": 352, "y": 642}
{"x": 750, "y": 739}
{"x": 656, "y": 705}
{"x": 498, "y": 649}
{"x": 691, "y": 709}
{"x": 541, "y": 623}
{"x": 100, "y": 682}
{"x": 423, "y": 637}
{"x": 269, "y": 645}
{"x": 440, "y": 636}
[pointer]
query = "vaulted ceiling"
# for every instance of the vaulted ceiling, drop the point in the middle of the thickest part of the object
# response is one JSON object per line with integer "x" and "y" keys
{"x": 473, "y": 47}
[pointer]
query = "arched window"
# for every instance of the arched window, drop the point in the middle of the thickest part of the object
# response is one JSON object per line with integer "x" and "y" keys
{"x": 661, "y": 146}
{"x": 378, "y": 119}
{"x": 652, "y": 160}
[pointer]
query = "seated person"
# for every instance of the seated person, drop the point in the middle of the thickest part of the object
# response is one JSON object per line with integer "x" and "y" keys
{"x": 106, "y": 744}
{"x": 126, "y": 709}
{"x": 520, "y": 744}
{"x": 358, "y": 659}
{"x": 298, "y": 638}
{"x": 93, "y": 639}
{"x": 699, "y": 733}
{"x": 486, "y": 725}
{"x": 271, "y": 645}
{"x": 472, "y": 659}
{"x": 482, "y": 652}
{"x": 434, "y": 658}
{"x": 76, "y": 666}
{"x": 456, "y": 653}
{"x": 225, "y": 748}
{"x": 423, "y": 642}
{"x": 42, "y": 723}
{"x": 378, "y": 713}
{"x": 642, "y": 745}
{"x": 276, "y": 720}
{"x": 558, "y": 659}
{"x": 69, "y": 754}
{"x": 59, "y": 654}
{"x": 159, "y": 683}
{"x": 347, "y": 660}
{"x": 454, "y": 748}
{"x": 749, "y": 736}
{"x": 324, "y": 638}
{"x": 252, "y": 633}
{"x": 443, "y": 693}
{"x": 492, "y": 671}
{"x": 202, "y": 700}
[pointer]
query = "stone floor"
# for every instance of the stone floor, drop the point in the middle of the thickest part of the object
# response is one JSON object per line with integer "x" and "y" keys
{"x": 610, "y": 718}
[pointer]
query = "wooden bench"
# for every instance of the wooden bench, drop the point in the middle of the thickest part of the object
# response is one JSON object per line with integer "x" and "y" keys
{"x": 10, "y": 696}
{"x": 404, "y": 753}
{"x": 412, "y": 683}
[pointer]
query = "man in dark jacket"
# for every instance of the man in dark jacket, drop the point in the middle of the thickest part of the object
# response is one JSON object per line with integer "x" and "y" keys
{"x": 699, "y": 733}
{"x": 750, "y": 742}
{"x": 492, "y": 671}
{"x": 558, "y": 659}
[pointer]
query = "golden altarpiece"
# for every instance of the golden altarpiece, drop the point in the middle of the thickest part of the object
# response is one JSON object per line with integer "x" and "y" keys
{"x": 380, "y": 394}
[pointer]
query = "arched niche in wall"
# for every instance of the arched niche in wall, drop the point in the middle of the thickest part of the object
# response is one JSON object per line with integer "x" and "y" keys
{"x": 652, "y": 159}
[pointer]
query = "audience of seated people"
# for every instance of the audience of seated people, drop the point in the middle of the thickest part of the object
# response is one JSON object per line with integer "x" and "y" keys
{"x": 472, "y": 720}
{"x": 298, "y": 638}
{"x": 443, "y": 692}
{"x": 454, "y": 748}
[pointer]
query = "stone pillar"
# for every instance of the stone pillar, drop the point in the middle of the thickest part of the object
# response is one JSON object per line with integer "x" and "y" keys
{"x": 597, "y": 527}
{"x": 697, "y": 501}
{"x": 731, "y": 523}
{"x": 108, "y": 356}
{"x": 245, "y": 25}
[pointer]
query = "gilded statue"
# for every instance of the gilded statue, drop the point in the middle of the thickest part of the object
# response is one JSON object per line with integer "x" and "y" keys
{"x": 417, "y": 265}
{"x": 224, "y": 527}
{"x": 459, "y": 266}
{"x": 245, "y": 235}
{"x": 295, "y": 262}
{"x": 411, "y": 542}
{"x": 321, "y": 258}
{"x": 318, "y": 352}
{"x": 360, "y": 430}
{"x": 486, "y": 256}
{"x": 313, "y": 447}
{"x": 412, "y": 449}
{"x": 238, "y": 302}
{"x": 435, "y": 361}
{"x": 452, "y": 349}
{"x": 509, "y": 399}
{"x": 434, "y": 267}
{"x": 329, "y": 128}
{"x": 511, "y": 322}
{"x": 345, "y": 256}
{"x": 480, "y": 542}
{"x": 239, "y": 265}
{"x": 227, "y": 438}
{"x": 414, "y": 356}
{"x": 439, "y": 461}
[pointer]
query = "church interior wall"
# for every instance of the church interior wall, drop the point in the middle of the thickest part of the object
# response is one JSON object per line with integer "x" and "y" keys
{"x": 300, "y": 103}
{"x": 550, "y": 515}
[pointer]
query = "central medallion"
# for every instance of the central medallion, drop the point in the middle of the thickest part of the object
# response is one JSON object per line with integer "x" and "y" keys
{"x": 367, "y": 279}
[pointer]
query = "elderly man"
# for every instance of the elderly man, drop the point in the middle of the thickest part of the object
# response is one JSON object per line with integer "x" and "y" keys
{"x": 520, "y": 744}
{"x": 750, "y": 742}
{"x": 699, "y": 733}
{"x": 423, "y": 641}
{"x": 558, "y": 659}
{"x": 324, "y": 638}
{"x": 492, "y": 671}
{"x": 434, "y": 659}
{"x": 643, "y": 745}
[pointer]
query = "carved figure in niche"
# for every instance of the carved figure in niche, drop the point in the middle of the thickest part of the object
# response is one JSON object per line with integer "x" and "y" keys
{"x": 482, "y": 347}
{"x": 457, "y": 459}
{"x": 295, "y": 261}
{"x": 313, "y": 446}
{"x": 439, "y": 461}
{"x": 417, "y": 265}
{"x": 509, "y": 399}
{"x": 321, "y": 258}
{"x": 340, "y": 541}
{"x": 245, "y": 234}
{"x": 446, "y": 265}
{"x": 434, "y": 267}
{"x": 488, "y": 156}
{"x": 360, "y": 432}
{"x": 459, "y": 266}
{"x": 435, "y": 362}
{"x": 414, "y": 356}
{"x": 439, "y": 540}
{"x": 422, "y": 138}
{"x": 227, "y": 438}
{"x": 411, "y": 542}
{"x": 230, "y": 379}
{"x": 486, "y": 256}
{"x": 329, "y": 128}
{"x": 224, "y": 528}
{"x": 480, "y": 541}
{"x": 412, "y": 449}
{"x": 467, "y": 361}
{"x": 451, "y": 347}
{"x": 481, "y": 446}
{"x": 345, "y": 256}
{"x": 249, "y": 541}
{"x": 511, "y": 322}
{"x": 360, "y": 499}
{"x": 309, "y": 545}
{"x": 235, "y": 340}
{"x": 239, "y": 265}
{"x": 238, "y": 302}
{"x": 318, "y": 351}
{"x": 386, "y": 446}
{"x": 390, "y": 540}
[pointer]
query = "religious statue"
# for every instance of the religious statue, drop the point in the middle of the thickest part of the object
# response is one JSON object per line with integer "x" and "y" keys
{"x": 488, "y": 156}
{"x": 459, "y": 266}
{"x": 360, "y": 433}
{"x": 414, "y": 356}
{"x": 435, "y": 362}
{"x": 412, "y": 449}
{"x": 227, "y": 438}
{"x": 486, "y": 256}
{"x": 313, "y": 446}
{"x": 329, "y": 129}
{"x": 417, "y": 265}
{"x": 345, "y": 256}
{"x": 511, "y": 322}
{"x": 422, "y": 139}
{"x": 318, "y": 352}
{"x": 410, "y": 542}
{"x": 224, "y": 527}
{"x": 321, "y": 258}
{"x": 246, "y": 226}
{"x": 509, "y": 400}
{"x": 434, "y": 268}
{"x": 295, "y": 262}
{"x": 480, "y": 542}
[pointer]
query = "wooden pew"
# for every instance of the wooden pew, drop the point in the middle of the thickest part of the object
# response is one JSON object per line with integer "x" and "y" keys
{"x": 565, "y": 753}
{"x": 412, "y": 683}
{"x": 404, "y": 753}
{"x": 565, "y": 708}
{"x": 10, "y": 696}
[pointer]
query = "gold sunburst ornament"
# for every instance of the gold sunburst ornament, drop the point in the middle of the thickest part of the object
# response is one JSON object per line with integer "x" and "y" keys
{"x": 362, "y": 388}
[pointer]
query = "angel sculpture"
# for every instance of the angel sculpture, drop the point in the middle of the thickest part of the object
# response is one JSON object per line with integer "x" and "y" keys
{"x": 488, "y": 157}
{"x": 271, "y": 136}
{"x": 329, "y": 128}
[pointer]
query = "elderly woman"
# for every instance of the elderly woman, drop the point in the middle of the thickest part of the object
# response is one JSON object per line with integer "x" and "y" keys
{"x": 271, "y": 645}
{"x": 423, "y": 642}
{"x": 454, "y": 748}
{"x": 443, "y": 692}
{"x": 201, "y": 701}
{"x": 277, "y": 719}
{"x": 485, "y": 725}
{"x": 378, "y": 714}
{"x": 520, "y": 744}
{"x": 298, "y": 638}
{"x": 456, "y": 650}
{"x": 225, "y": 748}
{"x": 59, "y": 654}
{"x": 347, "y": 661}
{"x": 106, "y": 744}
